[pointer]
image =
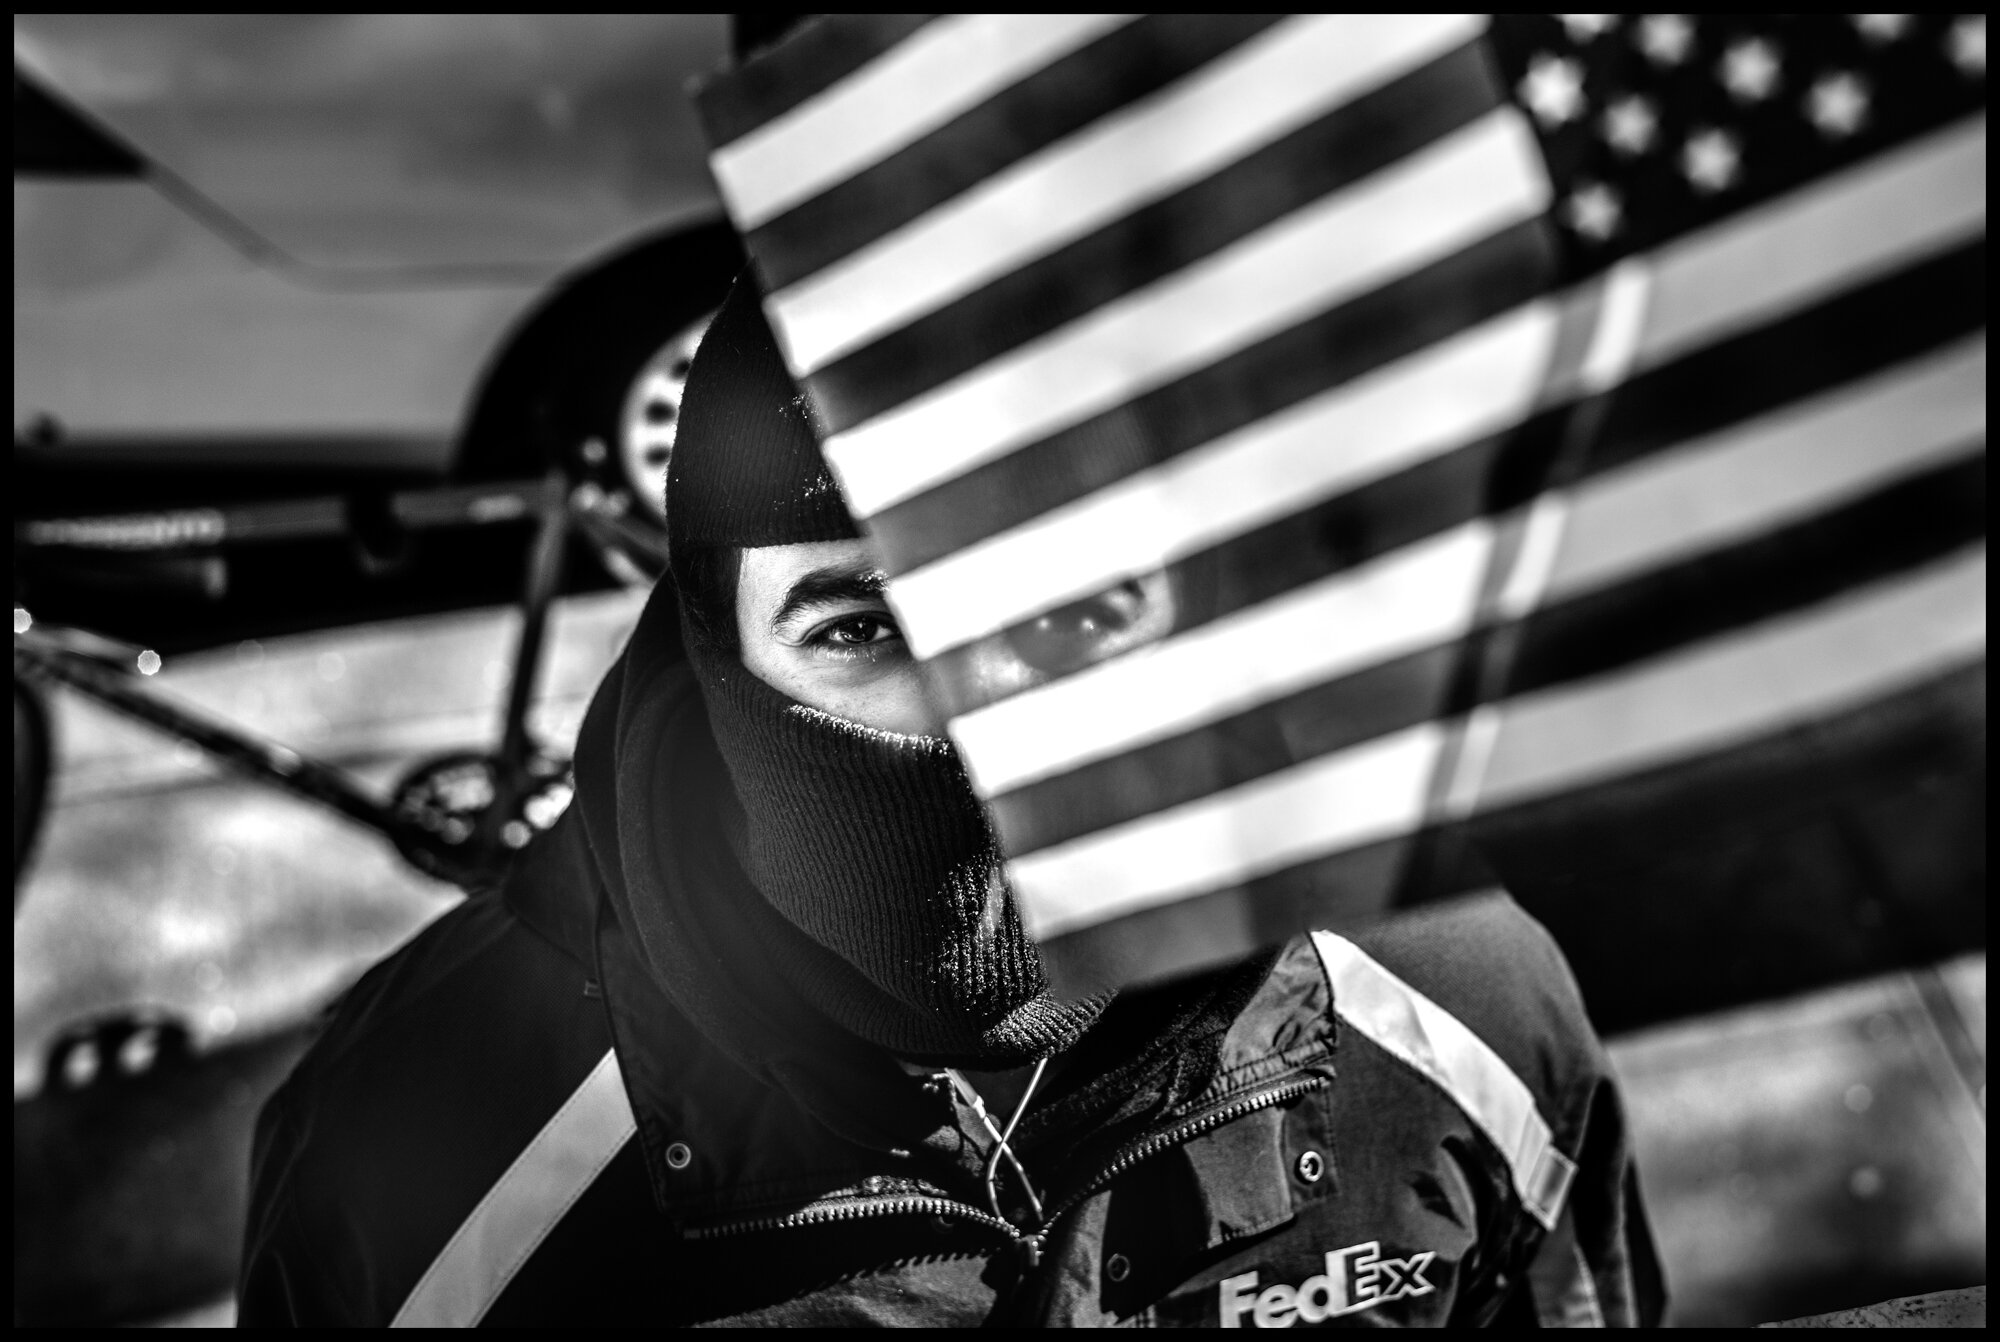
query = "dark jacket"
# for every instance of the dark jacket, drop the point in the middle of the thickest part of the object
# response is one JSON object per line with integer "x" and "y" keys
{"x": 514, "y": 1119}
{"x": 1311, "y": 1146}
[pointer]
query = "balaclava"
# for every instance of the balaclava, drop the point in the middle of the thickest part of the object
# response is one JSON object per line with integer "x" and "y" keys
{"x": 868, "y": 844}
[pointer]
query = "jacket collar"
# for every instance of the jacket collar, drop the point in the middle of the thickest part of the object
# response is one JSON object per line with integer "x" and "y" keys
{"x": 1284, "y": 1038}
{"x": 751, "y": 1151}
{"x": 721, "y": 1144}
{"x": 721, "y": 1147}
{"x": 719, "y": 1141}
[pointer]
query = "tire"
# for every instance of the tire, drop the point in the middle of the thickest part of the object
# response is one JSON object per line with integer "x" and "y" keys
{"x": 650, "y": 419}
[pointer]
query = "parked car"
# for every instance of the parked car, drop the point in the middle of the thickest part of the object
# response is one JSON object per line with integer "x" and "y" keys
{"x": 275, "y": 276}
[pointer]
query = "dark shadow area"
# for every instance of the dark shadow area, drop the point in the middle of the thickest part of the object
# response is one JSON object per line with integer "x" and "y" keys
{"x": 130, "y": 1187}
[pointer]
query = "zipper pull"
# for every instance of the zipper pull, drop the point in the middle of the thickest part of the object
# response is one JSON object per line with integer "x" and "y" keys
{"x": 1031, "y": 1250}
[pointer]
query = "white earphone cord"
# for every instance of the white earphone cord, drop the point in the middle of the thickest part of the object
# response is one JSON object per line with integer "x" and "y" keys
{"x": 1002, "y": 1138}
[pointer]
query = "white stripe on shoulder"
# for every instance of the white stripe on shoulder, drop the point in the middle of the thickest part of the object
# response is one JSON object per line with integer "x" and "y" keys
{"x": 537, "y": 1190}
{"x": 1401, "y": 1020}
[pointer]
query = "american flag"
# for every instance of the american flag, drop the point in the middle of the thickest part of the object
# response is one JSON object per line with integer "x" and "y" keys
{"x": 1359, "y": 434}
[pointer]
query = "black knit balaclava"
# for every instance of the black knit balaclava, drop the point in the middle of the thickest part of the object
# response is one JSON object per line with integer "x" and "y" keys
{"x": 870, "y": 843}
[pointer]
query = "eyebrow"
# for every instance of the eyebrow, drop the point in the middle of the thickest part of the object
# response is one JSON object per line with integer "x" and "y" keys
{"x": 828, "y": 587}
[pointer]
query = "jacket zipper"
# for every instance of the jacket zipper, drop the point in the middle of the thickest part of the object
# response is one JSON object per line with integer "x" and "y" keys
{"x": 1149, "y": 1147}
{"x": 853, "y": 1211}
{"x": 1031, "y": 1242}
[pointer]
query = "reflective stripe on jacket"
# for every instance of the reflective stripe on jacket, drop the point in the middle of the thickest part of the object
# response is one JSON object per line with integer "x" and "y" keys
{"x": 1413, "y": 1124}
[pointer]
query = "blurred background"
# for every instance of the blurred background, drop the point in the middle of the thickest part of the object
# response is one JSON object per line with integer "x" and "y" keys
{"x": 347, "y": 354}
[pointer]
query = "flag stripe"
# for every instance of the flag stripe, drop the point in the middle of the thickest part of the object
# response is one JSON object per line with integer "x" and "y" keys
{"x": 1703, "y": 698}
{"x": 1262, "y": 90}
{"x": 1454, "y": 391}
{"x": 937, "y": 72}
{"x": 1491, "y": 277}
{"x": 1345, "y": 532}
{"x": 1273, "y": 652}
{"x": 1121, "y": 67}
{"x": 1813, "y": 763}
{"x": 1372, "y": 792}
{"x": 1881, "y": 744}
{"x": 1872, "y": 219}
{"x": 1342, "y": 534}
{"x": 1264, "y": 325}
{"x": 1853, "y": 333}
{"x": 1320, "y": 719}
{"x": 1905, "y": 525}
{"x": 1168, "y": 235}
{"x": 1419, "y": 595}
{"x": 1242, "y": 480}
{"x": 1942, "y": 395}
{"x": 1166, "y": 940}
{"x": 1870, "y": 202}
{"x": 802, "y": 65}
{"x": 1711, "y": 696}
{"x": 1393, "y": 223}
{"x": 1769, "y": 469}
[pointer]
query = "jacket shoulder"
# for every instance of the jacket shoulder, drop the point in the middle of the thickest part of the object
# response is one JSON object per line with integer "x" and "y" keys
{"x": 1486, "y": 962}
{"x": 1475, "y": 998}
{"x": 435, "y": 1070}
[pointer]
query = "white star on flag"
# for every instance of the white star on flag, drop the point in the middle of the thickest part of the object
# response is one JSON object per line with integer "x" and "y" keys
{"x": 1593, "y": 211}
{"x": 1838, "y": 104}
{"x": 1881, "y": 28}
{"x": 1711, "y": 160}
{"x": 1665, "y": 38}
{"x": 1553, "y": 90}
{"x": 1966, "y": 44}
{"x": 1583, "y": 27}
{"x": 1630, "y": 124}
{"x": 1750, "y": 70}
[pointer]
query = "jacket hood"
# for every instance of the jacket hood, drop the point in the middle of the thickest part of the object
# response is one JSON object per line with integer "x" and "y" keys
{"x": 654, "y": 798}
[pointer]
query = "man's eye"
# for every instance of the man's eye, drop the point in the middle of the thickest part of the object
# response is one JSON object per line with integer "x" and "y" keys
{"x": 1074, "y": 636}
{"x": 857, "y": 631}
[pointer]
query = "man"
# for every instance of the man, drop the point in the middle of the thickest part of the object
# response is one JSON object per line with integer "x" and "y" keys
{"x": 754, "y": 1034}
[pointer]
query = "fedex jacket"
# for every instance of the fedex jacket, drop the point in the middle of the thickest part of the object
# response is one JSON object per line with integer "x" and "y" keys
{"x": 507, "y": 1122}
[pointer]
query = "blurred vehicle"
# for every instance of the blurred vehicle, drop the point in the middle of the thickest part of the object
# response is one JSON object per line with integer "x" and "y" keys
{"x": 327, "y": 258}
{"x": 324, "y": 319}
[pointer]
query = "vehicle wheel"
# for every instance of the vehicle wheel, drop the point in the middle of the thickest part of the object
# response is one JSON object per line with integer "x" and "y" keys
{"x": 32, "y": 762}
{"x": 632, "y": 470}
{"x": 651, "y": 418}
{"x": 593, "y": 380}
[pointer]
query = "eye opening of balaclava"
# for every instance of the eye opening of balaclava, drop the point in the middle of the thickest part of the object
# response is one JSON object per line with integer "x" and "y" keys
{"x": 870, "y": 843}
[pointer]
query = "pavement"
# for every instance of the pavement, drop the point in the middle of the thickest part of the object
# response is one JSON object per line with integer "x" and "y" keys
{"x": 1819, "y": 1152}
{"x": 1937, "y": 1309}
{"x": 180, "y": 930}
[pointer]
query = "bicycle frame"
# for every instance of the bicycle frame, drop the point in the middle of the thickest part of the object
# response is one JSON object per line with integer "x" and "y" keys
{"x": 472, "y": 860}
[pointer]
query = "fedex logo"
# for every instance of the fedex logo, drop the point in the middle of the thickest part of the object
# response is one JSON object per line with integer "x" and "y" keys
{"x": 1356, "y": 1278}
